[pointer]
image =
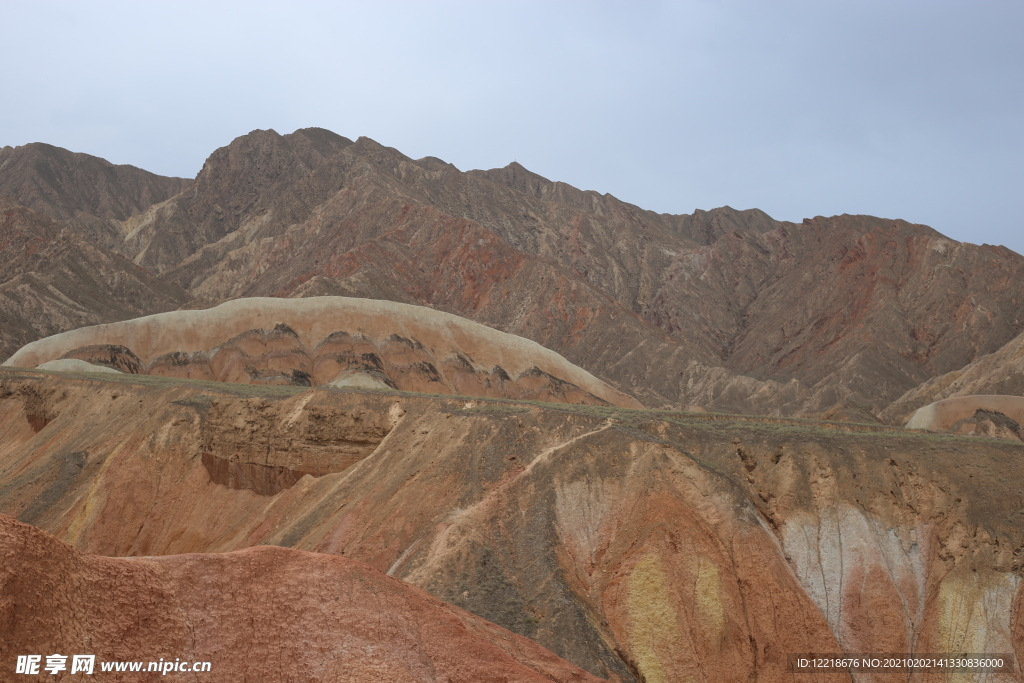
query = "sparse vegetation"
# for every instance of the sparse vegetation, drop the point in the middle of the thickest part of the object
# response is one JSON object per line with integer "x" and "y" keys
{"x": 640, "y": 421}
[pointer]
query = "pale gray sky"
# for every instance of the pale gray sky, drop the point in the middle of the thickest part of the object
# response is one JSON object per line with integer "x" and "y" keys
{"x": 898, "y": 109}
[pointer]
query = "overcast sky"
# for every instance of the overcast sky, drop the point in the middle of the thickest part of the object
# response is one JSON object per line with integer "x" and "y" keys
{"x": 910, "y": 110}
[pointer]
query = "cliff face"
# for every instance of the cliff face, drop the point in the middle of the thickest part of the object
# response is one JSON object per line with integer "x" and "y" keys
{"x": 636, "y": 545}
{"x": 259, "y": 614}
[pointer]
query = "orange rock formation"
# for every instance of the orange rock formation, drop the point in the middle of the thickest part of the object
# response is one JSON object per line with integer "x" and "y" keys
{"x": 330, "y": 340}
{"x": 1003, "y": 416}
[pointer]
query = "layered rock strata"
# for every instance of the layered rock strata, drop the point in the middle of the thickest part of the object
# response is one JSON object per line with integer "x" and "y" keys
{"x": 336, "y": 341}
{"x": 638, "y": 546}
{"x": 999, "y": 416}
{"x": 723, "y": 309}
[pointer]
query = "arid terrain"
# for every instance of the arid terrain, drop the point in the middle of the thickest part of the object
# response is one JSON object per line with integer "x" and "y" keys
{"x": 78, "y": 601}
{"x": 637, "y": 545}
{"x": 723, "y": 309}
{"x": 329, "y": 413}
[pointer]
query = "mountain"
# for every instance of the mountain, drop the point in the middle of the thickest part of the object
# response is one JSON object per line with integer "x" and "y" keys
{"x": 325, "y": 277}
{"x": 53, "y": 278}
{"x": 855, "y": 309}
{"x": 92, "y": 191}
{"x": 724, "y": 310}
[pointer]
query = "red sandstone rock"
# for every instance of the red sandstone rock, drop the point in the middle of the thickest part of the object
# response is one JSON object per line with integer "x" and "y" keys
{"x": 259, "y": 614}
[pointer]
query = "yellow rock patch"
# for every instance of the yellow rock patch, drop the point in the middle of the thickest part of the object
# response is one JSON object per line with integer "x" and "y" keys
{"x": 655, "y": 629}
{"x": 972, "y": 613}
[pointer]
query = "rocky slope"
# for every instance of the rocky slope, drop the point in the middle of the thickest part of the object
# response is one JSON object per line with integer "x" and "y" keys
{"x": 91, "y": 192}
{"x": 724, "y": 309}
{"x": 52, "y": 279}
{"x": 1000, "y": 373}
{"x": 636, "y": 545}
{"x": 259, "y": 614}
{"x": 851, "y": 306}
{"x": 334, "y": 341}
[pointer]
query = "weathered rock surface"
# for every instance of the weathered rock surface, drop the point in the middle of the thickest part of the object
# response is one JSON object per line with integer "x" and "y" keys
{"x": 258, "y": 614}
{"x": 73, "y": 365}
{"x": 727, "y": 310}
{"x": 989, "y": 423}
{"x": 856, "y": 308}
{"x": 315, "y": 341}
{"x": 640, "y": 546}
{"x": 636, "y": 545}
{"x": 52, "y": 278}
{"x": 998, "y": 416}
{"x": 998, "y": 373}
{"x": 93, "y": 193}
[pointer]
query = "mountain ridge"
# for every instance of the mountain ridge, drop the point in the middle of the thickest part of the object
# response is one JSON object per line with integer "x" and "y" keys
{"x": 709, "y": 308}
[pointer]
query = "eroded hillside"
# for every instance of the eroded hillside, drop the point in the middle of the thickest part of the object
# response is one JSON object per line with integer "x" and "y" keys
{"x": 999, "y": 373}
{"x": 188, "y": 609}
{"x": 637, "y": 545}
{"x": 334, "y": 341}
{"x": 726, "y": 310}
{"x": 52, "y": 279}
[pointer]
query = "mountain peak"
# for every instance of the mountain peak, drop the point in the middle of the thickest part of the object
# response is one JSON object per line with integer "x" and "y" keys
{"x": 67, "y": 185}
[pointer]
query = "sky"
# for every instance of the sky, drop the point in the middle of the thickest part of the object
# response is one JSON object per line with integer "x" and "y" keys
{"x": 911, "y": 110}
